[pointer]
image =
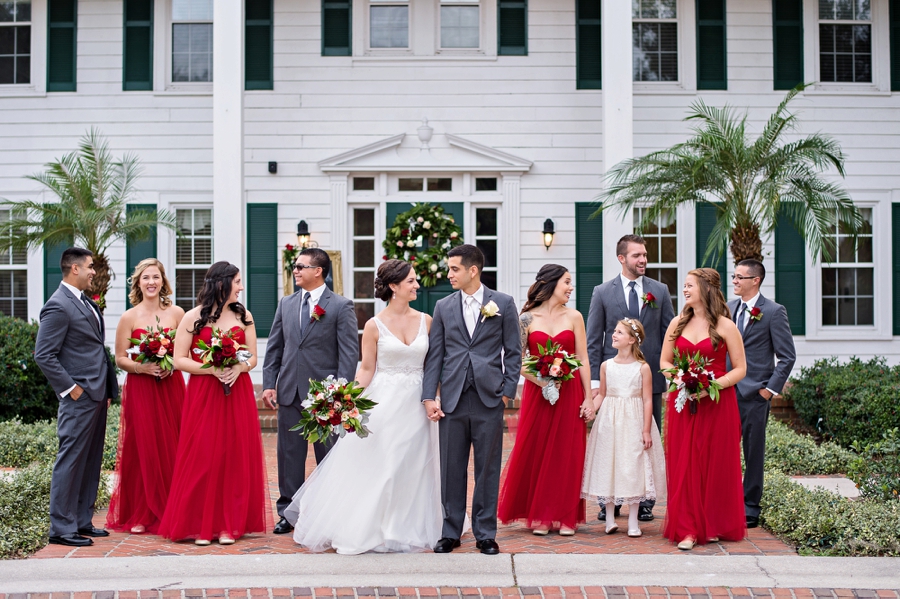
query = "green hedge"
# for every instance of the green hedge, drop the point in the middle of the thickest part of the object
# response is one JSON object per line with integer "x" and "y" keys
{"x": 876, "y": 470}
{"x": 790, "y": 453}
{"x": 852, "y": 402}
{"x": 24, "y": 390}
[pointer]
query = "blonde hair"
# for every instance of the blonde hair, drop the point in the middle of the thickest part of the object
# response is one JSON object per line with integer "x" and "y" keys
{"x": 713, "y": 302}
{"x": 634, "y": 328}
{"x": 136, "y": 296}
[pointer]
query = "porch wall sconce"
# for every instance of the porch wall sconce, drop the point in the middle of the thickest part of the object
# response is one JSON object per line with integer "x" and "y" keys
{"x": 303, "y": 239}
{"x": 548, "y": 234}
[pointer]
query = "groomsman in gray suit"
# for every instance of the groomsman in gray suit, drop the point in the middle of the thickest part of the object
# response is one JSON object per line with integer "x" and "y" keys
{"x": 630, "y": 294}
{"x": 475, "y": 355}
{"x": 314, "y": 334}
{"x": 71, "y": 353}
{"x": 767, "y": 335}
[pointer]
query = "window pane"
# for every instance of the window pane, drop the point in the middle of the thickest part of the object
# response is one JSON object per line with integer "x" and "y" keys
{"x": 864, "y": 250}
{"x": 192, "y": 52}
{"x": 203, "y": 222}
{"x": 485, "y": 184}
{"x": 5, "y": 284}
{"x": 865, "y": 311}
{"x": 23, "y": 40}
{"x": 847, "y": 311}
{"x": 411, "y": 184}
{"x": 829, "y": 281}
{"x": 459, "y": 27}
{"x": 389, "y": 26}
{"x": 652, "y": 248}
{"x": 441, "y": 184}
{"x": 363, "y": 183}
{"x": 364, "y": 284}
{"x": 7, "y": 11}
{"x": 486, "y": 221}
{"x": 364, "y": 221}
{"x": 653, "y": 9}
{"x": 23, "y": 11}
{"x": 829, "y": 311}
{"x": 489, "y": 278}
{"x": 7, "y": 69}
{"x": 655, "y": 51}
{"x": 192, "y": 10}
{"x": 864, "y": 281}
{"x": 183, "y": 251}
{"x": 489, "y": 247}
{"x": 203, "y": 251}
{"x": 364, "y": 253}
{"x": 364, "y": 311}
{"x": 845, "y": 53}
{"x": 20, "y": 284}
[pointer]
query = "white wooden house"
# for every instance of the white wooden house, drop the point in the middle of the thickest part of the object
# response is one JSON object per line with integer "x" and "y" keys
{"x": 527, "y": 103}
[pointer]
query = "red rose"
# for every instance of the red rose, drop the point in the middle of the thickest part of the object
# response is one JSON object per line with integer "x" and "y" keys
{"x": 336, "y": 419}
{"x": 319, "y": 312}
{"x": 321, "y": 421}
{"x": 404, "y": 232}
{"x": 384, "y": 257}
{"x": 651, "y": 298}
{"x": 229, "y": 351}
{"x": 564, "y": 368}
{"x": 545, "y": 370}
{"x": 289, "y": 247}
{"x": 704, "y": 380}
{"x": 755, "y": 312}
{"x": 154, "y": 346}
{"x": 143, "y": 347}
{"x": 96, "y": 298}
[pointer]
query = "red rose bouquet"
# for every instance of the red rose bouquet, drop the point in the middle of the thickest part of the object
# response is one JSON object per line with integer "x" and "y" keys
{"x": 222, "y": 351}
{"x": 156, "y": 345}
{"x": 552, "y": 364}
{"x": 690, "y": 377}
{"x": 334, "y": 406}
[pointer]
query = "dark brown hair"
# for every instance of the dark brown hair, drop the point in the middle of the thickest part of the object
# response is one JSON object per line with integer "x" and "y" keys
{"x": 391, "y": 272}
{"x": 755, "y": 267}
{"x": 544, "y": 284}
{"x": 215, "y": 292}
{"x": 622, "y": 244}
{"x": 713, "y": 302}
{"x": 318, "y": 257}
{"x": 72, "y": 256}
{"x": 469, "y": 255}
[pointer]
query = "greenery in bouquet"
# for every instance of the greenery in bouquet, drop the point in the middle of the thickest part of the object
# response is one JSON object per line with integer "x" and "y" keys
{"x": 689, "y": 377}
{"x": 156, "y": 345}
{"x": 289, "y": 256}
{"x": 221, "y": 352}
{"x": 422, "y": 236}
{"x": 552, "y": 364}
{"x": 334, "y": 406}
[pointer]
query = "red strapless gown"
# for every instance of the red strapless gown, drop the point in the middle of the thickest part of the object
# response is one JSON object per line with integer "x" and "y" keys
{"x": 148, "y": 441}
{"x": 219, "y": 483}
{"x": 543, "y": 476}
{"x": 703, "y": 461}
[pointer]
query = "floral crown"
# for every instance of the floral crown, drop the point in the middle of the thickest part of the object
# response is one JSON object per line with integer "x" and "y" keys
{"x": 634, "y": 328}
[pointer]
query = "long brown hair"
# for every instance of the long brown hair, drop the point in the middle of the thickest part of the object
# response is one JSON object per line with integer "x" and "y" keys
{"x": 713, "y": 303}
{"x": 136, "y": 296}
{"x": 634, "y": 328}
{"x": 544, "y": 285}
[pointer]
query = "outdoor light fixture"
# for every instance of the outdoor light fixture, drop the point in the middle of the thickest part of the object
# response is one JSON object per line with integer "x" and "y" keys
{"x": 303, "y": 239}
{"x": 548, "y": 234}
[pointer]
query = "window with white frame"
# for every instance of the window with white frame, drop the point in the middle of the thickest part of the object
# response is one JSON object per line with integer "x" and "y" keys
{"x": 460, "y": 24}
{"x": 389, "y": 24}
{"x": 654, "y": 37}
{"x": 662, "y": 250}
{"x": 848, "y": 276}
{"x": 364, "y": 252}
{"x": 192, "y": 41}
{"x": 13, "y": 278}
{"x": 486, "y": 239}
{"x": 845, "y": 41}
{"x": 15, "y": 42}
{"x": 193, "y": 253}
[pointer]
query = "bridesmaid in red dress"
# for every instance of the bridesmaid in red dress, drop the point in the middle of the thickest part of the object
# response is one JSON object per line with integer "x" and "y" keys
{"x": 703, "y": 461}
{"x": 152, "y": 399}
{"x": 543, "y": 478}
{"x": 219, "y": 486}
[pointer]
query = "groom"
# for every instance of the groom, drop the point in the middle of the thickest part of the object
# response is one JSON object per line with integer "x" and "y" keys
{"x": 475, "y": 355}
{"x": 314, "y": 334}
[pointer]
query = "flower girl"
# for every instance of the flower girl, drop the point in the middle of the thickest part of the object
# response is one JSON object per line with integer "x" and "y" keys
{"x": 624, "y": 463}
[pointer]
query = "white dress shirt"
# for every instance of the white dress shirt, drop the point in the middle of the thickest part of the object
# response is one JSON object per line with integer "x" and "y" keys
{"x": 314, "y": 296}
{"x": 638, "y": 288}
{"x": 78, "y": 293}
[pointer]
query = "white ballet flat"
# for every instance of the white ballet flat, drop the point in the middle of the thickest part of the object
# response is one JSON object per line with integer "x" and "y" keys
{"x": 201, "y": 542}
{"x": 634, "y": 533}
{"x": 612, "y": 529}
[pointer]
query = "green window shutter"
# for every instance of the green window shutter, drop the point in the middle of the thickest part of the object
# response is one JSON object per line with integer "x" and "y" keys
{"x": 263, "y": 269}
{"x": 895, "y": 241}
{"x": 707, "y": 215}
{"x": 52, "y": 274}
{"x": 895, "y": 45}
{"x": 712, "y": 71}
{"x": 61, "y": 45}
{"x": 787, "y": 39}
{"x": 588, "y": 69}
{"x": 137, "y": 46}
{"x": 512, "y": 27}
{"x": 337, "y": 27}
{"x": 135, "y": 250}
{"x": 588, "y": 254}
{"x": 790, "y": 274}
{"x": 258, "y": 44}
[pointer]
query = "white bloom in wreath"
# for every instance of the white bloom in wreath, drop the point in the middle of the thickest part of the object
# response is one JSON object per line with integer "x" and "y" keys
{"x": 426, "y": 224}
{"x": 454, "y": 235}
{"x": 410, "y": 244}
{"x": 420, "y": 220}
{"x": 433, "y": 267}
{"x": 439, "y": 275}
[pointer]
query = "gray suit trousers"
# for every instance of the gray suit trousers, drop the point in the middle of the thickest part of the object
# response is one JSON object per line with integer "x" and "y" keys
{"x": 471, "y": 423}
{"x": 292, "y": 450}
{"x": 754, "y": 416}
{"x": 81, "y": 430}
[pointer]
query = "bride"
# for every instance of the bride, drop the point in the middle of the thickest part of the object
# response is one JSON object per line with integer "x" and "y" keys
{"x": 381, "y": 493}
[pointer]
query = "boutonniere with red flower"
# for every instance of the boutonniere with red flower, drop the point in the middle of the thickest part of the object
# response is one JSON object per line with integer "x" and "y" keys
{"x": 318, "y": 313}
{"x": 649, "y": 298}
{"x": 756, "y": 314}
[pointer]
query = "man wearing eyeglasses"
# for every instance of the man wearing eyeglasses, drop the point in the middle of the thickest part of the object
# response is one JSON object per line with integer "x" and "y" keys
{"x": 314, "y": 335}
{"x": 767, "y": 336}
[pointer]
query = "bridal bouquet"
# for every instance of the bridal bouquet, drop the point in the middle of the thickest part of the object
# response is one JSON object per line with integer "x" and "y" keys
{"x": 334, "y": 406}
{"x": 690, "y": 377}
{"x": 157, "y": 345}
{"x": 551, "y": 364}
{"x": 222, "y": 351}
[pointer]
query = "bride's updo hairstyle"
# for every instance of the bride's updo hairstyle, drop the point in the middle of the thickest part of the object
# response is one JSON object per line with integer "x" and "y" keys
{"x": 391, "y": 272}
{"x": 214, "y": 294}
{"x": 713, "y": 303}
{"x": 544, "y": 285}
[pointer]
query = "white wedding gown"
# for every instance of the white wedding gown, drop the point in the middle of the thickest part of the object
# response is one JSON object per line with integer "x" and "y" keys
{"x": 381, "y": 493}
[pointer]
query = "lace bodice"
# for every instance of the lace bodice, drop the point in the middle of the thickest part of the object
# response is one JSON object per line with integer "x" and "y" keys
{"x": 623, "y": 380}
{"x": 398, "y": 358}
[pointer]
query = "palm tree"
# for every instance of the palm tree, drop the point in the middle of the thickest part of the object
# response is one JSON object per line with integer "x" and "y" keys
{"x": 752, "y": 182}
{"x": 92, "y": 190}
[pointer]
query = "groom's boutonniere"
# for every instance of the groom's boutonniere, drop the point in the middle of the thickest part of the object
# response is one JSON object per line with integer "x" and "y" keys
{"x": 489, "y": 310}
{"x": 649, "y": 298}
{"x": 318, "y": 313}
{"x": 756, "y": 314}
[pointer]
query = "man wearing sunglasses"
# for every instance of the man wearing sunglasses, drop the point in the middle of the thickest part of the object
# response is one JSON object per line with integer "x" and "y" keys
{"x": 767, "y": 336}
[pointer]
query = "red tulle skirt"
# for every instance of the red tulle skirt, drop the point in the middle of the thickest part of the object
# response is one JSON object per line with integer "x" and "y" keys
{"x": 148, "y": 442}
{"x": 542, "y": 486}
{"x": 219, "y": 485}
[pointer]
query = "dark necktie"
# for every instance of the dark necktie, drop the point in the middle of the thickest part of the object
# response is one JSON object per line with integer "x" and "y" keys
{"x": 304, "y": 312}
{"x": 740, "y": 318}
{"x": 90, "y": 308}
{"x": 633, "y": 309}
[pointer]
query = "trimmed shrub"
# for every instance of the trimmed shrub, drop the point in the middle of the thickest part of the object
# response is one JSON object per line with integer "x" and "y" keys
{"x": 852, "y": 402}
{"x": 24, "y": 390}
{"x": 876, "y": 470}
{"x": 790, "y": 453}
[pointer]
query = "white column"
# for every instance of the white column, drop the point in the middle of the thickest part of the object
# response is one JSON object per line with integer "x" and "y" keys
{"x": 339, "y": 224}
{"x": 618, "y": 114}
{"x": 510, "y": 267}
{"x": 229, "y": 218}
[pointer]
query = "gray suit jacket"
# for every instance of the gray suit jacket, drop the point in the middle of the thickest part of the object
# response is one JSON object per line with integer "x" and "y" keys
{"x": 608, "y": 307}
{"x": 765, "y": 339}
{"x": 326, "y": 346}
{"x": 70, "y": 347}
{"x": 494, "y": 351}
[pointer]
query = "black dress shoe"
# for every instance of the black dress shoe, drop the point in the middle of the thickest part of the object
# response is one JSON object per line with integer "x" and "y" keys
{"x": 752, "y": 521}
{"x": 72, "y": 540}
{"x": 93, "y": 532}
{"x": 283, "y": 527}
{"x": 602, "y": 514}
{"x": 645, "y": 514}
{"x": 446, "y": 545}
{"x": 488, "y": 546}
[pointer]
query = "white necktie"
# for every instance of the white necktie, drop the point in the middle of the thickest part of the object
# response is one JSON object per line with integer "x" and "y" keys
{"x": 470, "y": 314}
